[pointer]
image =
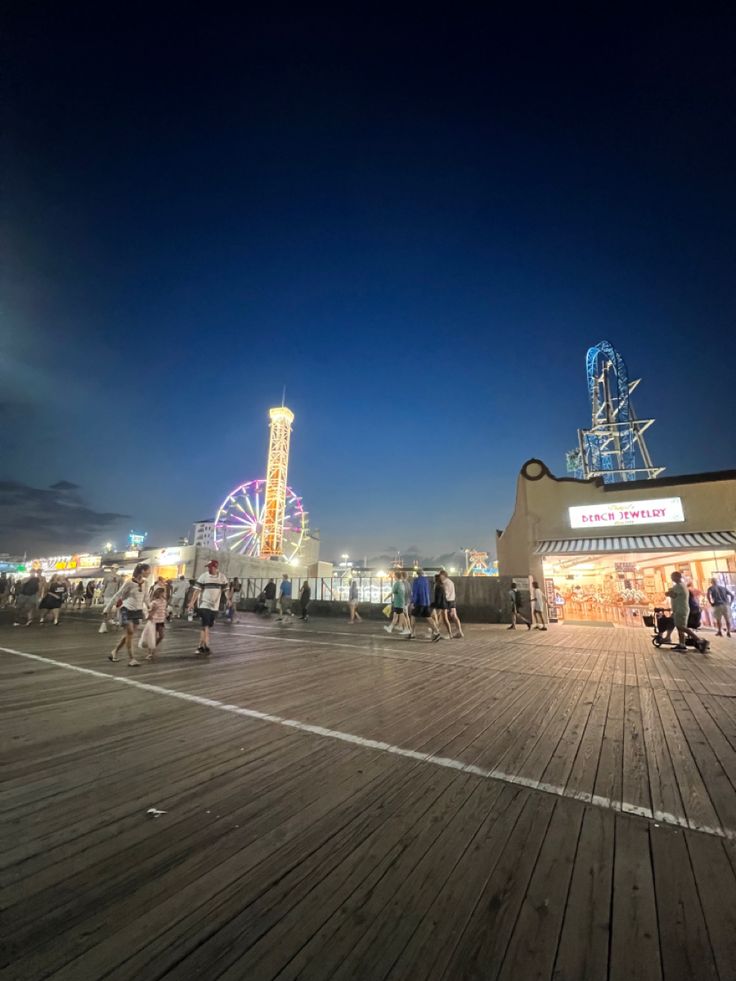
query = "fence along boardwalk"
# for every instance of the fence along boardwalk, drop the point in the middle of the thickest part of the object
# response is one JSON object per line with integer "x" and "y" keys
{"x": 597, "y": 839}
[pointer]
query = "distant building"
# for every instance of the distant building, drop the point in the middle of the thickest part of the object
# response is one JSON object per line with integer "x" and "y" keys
{"x": 204, "y": 533}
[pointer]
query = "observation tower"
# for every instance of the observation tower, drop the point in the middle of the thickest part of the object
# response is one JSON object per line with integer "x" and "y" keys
{"x": 265, "y": 518}
{"x": 272, "y": 533}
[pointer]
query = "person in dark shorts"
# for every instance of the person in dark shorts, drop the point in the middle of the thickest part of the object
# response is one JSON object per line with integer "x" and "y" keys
{"x": 452, "y": 616}
{"x": 439, "y": 606}
{"x": 131, "y": 600}
{"x": 422, "y": 606}
{"x": 207, "y": 594}
{"x": 516, "y": 614}
{"x": 269, "y": 596}
{"x": 53, "y": 600}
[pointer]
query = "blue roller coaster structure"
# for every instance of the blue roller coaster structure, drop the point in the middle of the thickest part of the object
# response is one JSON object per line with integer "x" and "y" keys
{"x": 613, "y": 448}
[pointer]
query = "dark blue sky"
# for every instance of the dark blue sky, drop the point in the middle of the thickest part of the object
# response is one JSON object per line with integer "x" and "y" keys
{"x": 417, "y": 225}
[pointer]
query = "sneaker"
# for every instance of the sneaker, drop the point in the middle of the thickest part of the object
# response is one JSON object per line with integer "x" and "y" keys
{"x": 542, "y": 628}
{"x": 680, "y": 648}
{"x": 529, "y": 625}
{"x": 113, "y": 656}
{"x": 719, "y": 634}
{"x": 436, "y": 637}
{"x": 150, "y": 657}
{"x": 405, "y": 632}
{"x": 389, "y": 630}
{"x": 132, "y": 663}
{"x": 512, "y": 627}
{"x": 16, "y": 624}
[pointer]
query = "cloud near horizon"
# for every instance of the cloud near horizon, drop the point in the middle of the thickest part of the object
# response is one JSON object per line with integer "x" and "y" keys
{"x": 45, "y": 520}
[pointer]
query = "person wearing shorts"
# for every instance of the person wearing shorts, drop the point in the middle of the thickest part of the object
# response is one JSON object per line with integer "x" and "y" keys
{"x": 398, "y": 600}
{"x": 720, "y": 600}
{"x": 452, "y": 617}
{"x": 27, "y": 598}
{"x": 206, "y": 597}
{"x": 285, "y": 597}
{"x": 680, "y": 602}
{"x": 131, "y": 600}
{"x": 421, "y": 606}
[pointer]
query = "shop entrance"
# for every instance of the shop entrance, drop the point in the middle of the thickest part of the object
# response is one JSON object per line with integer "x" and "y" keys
{"x": 619, "y": 588}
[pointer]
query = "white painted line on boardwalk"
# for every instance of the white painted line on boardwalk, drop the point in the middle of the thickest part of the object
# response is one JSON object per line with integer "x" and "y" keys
{"x": 605, "y": 803}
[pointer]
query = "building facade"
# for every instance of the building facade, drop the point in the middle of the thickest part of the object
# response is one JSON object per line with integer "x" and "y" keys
{"x": 605, "y": 552}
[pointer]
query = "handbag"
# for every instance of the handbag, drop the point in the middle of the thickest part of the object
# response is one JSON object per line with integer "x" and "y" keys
{"x": 148, "y": 636}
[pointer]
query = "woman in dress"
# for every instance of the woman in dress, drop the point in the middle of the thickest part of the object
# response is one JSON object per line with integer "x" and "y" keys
{"x": 131, "y": 599}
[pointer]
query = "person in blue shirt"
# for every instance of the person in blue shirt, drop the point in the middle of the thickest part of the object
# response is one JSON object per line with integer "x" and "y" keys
{"x": 422, "y": 606}
{"x": 285, "y": 597}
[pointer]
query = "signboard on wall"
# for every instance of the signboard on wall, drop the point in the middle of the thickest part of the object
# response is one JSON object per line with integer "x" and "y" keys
{"x": 663, "y": 510}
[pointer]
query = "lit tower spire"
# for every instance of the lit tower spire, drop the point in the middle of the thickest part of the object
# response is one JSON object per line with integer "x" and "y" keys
{"x": 272, "y": 535}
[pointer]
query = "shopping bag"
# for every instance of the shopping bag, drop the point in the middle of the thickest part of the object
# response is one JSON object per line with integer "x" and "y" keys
{"x": 148, "y": 636}
{"x": 387, "y": 610}
{"x": 103, "y": 628}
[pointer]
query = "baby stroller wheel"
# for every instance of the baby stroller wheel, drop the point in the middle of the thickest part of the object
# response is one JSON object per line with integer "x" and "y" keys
{"x": 703, "y": 646}
{"x": 657, "y": 641}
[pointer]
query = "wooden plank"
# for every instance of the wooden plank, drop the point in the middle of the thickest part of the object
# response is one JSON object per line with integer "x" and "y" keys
{"x": 635, "y": 953}
{"x": 584, "y": 939}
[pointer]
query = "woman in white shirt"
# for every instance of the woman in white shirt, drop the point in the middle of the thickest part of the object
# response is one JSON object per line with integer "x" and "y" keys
{"x": 538, "y": 607}
{"x": 131, "y": 598}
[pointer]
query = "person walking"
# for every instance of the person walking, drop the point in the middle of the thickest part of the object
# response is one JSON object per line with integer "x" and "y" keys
{"x": 157, "y": 616}
{"x": 89, "y": 594}
{"x": 305, "y": 595}
{"x": 516, "y": 614}
{"x": 206, "y": 597}
{"x": 285, "y": 597}
{"x": 27, "y": 597}
{"x": 720, "y": 600}
{"x": 538, "y": 607}
{"x": 422, "y": 607}
{"x": 680, "y": 603}
{"x": 354, "y": 617}
{"x": 4, "y": 590}
{"x": 451, "y": 611}
{"x": 235, "y": 595}
{"x": 439, "y": 606}
{"x": 269, "y": 596}
{"x": 78, "y": 596}
{"x": 398, "y": 606}
{"x": 53, "y": 600}
{"x": 131, "y": 600}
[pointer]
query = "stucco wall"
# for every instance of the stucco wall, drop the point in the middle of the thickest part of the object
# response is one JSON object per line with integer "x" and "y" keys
{"x": 541, "y": 511}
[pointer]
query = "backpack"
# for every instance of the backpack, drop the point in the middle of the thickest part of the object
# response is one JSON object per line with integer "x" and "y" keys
{"x": 30, "y": 587}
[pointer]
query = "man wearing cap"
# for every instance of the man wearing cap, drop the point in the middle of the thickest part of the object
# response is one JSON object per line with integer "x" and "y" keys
{"x": 206, "y": 597}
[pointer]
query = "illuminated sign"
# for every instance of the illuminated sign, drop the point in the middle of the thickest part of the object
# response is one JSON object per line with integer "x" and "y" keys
{"x": 131, "y": 555}
{"x": 169, "y": 555}
{"x": 89, "y": 561}
{"x": 137, "y": 538}
{"x": 663, "y": 510}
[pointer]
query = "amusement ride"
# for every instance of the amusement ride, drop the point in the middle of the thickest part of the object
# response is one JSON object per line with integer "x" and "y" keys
{"x": 265, "y": 518}
{"x": 613, "y": 448}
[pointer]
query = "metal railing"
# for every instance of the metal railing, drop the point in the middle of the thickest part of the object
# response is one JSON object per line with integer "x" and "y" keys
{"x": 371, "y": 589}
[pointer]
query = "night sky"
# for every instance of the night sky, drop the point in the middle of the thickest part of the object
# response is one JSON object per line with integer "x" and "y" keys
{"x": 418, "y": 225}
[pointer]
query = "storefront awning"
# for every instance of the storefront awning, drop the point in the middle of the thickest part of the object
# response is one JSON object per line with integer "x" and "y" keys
{"x": 638, "y": 543}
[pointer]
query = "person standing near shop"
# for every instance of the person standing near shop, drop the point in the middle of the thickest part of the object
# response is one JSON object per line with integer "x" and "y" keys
{"x": 538, "y": 605}
{"x": 516, "y": 614}
{"x": 453, "y": 618}
{"x": 285, "y": 597}
{"x": 720, "y": 599}
{"x": 206, "y": 597}
{"x": 305, "y": 595}
{"x": 680, "y": 602}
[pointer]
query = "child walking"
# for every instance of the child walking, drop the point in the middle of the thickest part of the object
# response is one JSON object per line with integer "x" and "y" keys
{"x": 157, "y": 616}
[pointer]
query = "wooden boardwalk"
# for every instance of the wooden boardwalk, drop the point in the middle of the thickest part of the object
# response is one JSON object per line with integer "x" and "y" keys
{"x": 344, "y": 804}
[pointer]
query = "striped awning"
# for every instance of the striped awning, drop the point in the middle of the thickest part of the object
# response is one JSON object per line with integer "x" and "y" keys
{"x": 638, "y": 543}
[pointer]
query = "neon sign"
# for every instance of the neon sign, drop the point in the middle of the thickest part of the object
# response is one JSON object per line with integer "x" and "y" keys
{"x": 663, "y": 510}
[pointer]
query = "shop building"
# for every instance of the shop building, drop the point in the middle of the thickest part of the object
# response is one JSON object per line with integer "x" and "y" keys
{"x": 605, "y": 552}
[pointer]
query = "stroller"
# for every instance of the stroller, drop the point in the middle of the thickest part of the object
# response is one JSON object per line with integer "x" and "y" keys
{"x": 663, "y": 623}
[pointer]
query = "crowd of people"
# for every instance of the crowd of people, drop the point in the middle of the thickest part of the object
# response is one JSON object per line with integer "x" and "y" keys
{"x": 127, "y": 604}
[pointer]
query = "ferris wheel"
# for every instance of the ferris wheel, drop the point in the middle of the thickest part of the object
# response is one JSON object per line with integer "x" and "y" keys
{"x": 239, "y": 521}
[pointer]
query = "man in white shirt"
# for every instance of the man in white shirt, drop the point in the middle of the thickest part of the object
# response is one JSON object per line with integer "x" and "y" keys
{"x": 449, "y": 587}
{"x": 206, "y": 597}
